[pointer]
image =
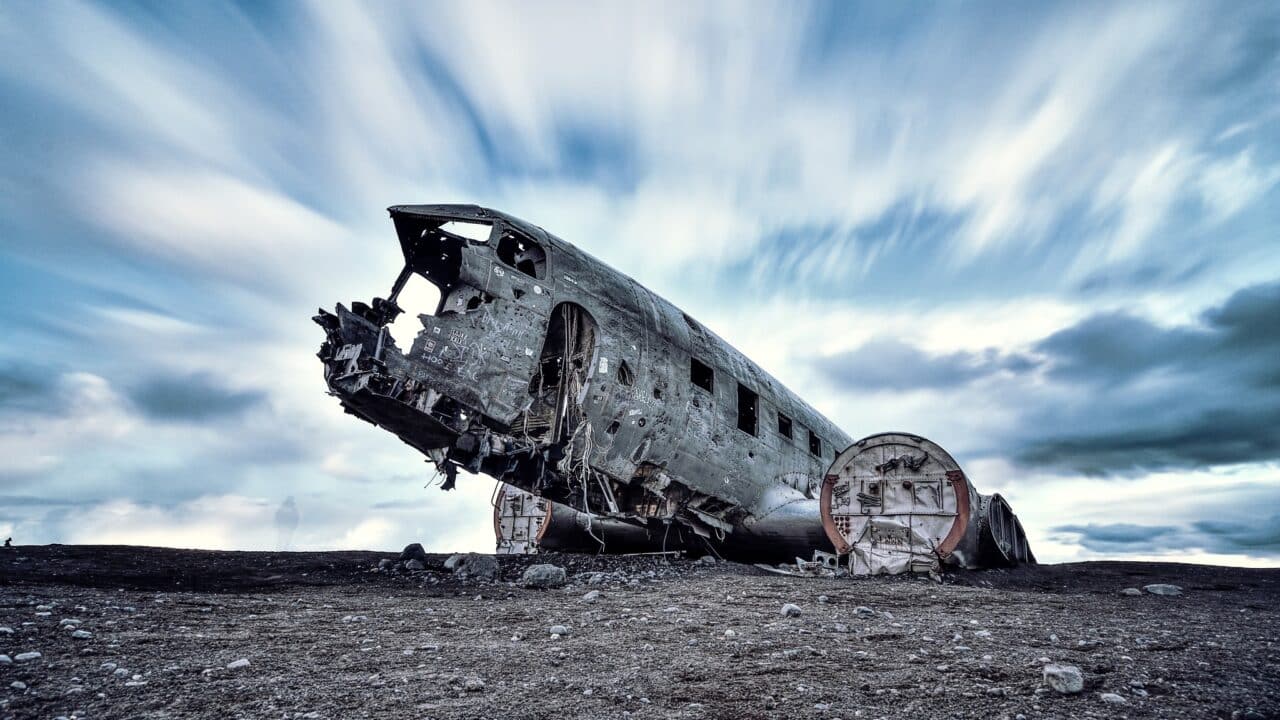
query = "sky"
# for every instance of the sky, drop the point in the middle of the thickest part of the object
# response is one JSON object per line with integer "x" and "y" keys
{"x": 1044, "y": 235}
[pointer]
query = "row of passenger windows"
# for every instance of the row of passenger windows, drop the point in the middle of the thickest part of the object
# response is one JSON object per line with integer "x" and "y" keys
{"x": 703, "y": 377}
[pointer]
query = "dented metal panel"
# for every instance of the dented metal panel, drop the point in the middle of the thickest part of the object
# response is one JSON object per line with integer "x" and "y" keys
{"x": 554, "y": 373}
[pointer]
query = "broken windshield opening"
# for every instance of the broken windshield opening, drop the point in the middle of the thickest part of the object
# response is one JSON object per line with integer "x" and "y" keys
{"x": 418, "y": 297}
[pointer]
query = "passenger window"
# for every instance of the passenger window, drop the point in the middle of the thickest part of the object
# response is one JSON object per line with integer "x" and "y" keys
{"x": 748, "y": 404}
{"x": 701, "y": 375}
{"x": 784, "y": 426}
{"x": 522, "y": 254}
{"x": 815, "y": 444}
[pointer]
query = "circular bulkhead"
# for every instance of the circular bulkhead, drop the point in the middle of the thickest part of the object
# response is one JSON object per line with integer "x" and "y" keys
{"x": 894, "y": 503}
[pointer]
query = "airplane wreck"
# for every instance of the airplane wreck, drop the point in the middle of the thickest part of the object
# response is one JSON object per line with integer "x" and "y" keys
{"x": 615, "y": 422}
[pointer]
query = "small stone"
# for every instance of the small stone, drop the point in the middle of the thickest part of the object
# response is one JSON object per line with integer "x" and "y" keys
{"x": 823, "y": 598}
{"x": 414, "y": 565}
{"x": 6, "y": 631}
{"x": 120, "y": 672}
{"x": 82, "y": 634}
{"x": 1131, "y": 592}
{"x": 591, "y": 596}
{"x": 6, "y": 660}
{"x": 18, "y": 685}
{"x": 27, "y": 656}
{"x": 791, "y": 610}
{"x": 1163, "y": 589}
{"x": 108, "y": 666}
{"x": 559, "y": 630}
{"x": 473, "y": 684}
{"x": 543, "y": 576}
{"x": 386, "y": 564}
{"x": 237, "y": 664}
{"x": 982, "y": 633}
{"x": 69, "y": 622}
{"x": 1065, "y": 679}
{"x": 1112, "y": 698}
{"x": 707, "y": 560}
{"x": 730, "y": 633}
{"x": 942, "y": 668}
{"x": 864, "y": 611}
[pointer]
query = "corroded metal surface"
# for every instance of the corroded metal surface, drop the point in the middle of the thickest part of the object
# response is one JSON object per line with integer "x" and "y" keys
{"x": 554, "y": 373}
{"x": 896, "y": 502}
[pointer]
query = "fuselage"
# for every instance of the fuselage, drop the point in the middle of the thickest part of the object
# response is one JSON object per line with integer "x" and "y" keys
{"x": 551, "y": 371}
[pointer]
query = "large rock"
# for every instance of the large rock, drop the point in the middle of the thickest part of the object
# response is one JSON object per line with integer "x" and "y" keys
{"x": 1162, "y": 589}
{"x": 543, "y": 576}
{"x": 413, "y": 552}
{"x": 477, "y": 566}
{"x": 1066, "y": 679}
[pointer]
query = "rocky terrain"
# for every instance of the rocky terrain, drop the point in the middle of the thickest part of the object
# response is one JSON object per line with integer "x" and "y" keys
{"x": 127, "y": 632}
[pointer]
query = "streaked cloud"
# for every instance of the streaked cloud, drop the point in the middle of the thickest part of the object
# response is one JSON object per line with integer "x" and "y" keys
{"x": 1043, "y": 236}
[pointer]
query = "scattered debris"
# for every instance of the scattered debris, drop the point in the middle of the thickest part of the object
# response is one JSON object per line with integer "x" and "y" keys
{"x": 1163, "y": 589}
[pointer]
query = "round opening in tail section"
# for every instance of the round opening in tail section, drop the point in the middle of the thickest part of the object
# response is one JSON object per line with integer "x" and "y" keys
{"x": 520, "y": 519}
{"x": 895, "y": 503}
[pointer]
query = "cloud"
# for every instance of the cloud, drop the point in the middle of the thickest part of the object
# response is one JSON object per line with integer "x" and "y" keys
{"x": 1121, "y": 536}
{"x": 193, "y": 398}
{"x": 1183, "y": 396}
{"x": 1007, "y": 213}
{"x": 1258, "y": 537}
{"x": 891, "y": 364}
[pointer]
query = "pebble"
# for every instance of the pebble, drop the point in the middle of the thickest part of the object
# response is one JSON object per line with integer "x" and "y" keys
{"x": 791, "y": 610}
{"x": 1112, "y": 698}
{"x": 6, "y": 631}
{"x": 863, "y": 611}
{"x": 1162, "y": 589}
{"x": 1065, "y": 679}
{"x": 237, "y": 664}
{"x": 592, "y": 596}
{"x": 18, "y": 685}
{"x": 1131, "y": 592}
{"x": 822, "y": 598}
{"x": 559, "y": 630}
{"x": 6, "y": 660}
{"x": 108, "y": 666}
{"x": 414, "y": 565}
{"x": 27, "y": 656}
{"x": 82, "y": 634}
{"x": 473, "y": 684}
{"x": 982, "y": 633}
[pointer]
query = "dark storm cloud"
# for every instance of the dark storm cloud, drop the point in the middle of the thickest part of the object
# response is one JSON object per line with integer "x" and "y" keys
{"x": 1142, "y": 396}
{"x": 1260, "y": 536}
{"x": 889, "y": 364}
{"x": 1164, "y": 397}
{"x": 27, "y": 388}
{"x": 1111, "y": 537}
{"x": 193, "y": 398}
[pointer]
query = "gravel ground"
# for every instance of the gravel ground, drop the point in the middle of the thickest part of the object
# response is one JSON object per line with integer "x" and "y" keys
{"x": 169, "y": 631}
